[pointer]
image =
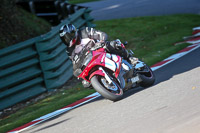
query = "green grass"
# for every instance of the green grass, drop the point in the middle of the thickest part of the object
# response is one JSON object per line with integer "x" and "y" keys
{"x": 43, "y": 107}
{"x": 151, "y": 38}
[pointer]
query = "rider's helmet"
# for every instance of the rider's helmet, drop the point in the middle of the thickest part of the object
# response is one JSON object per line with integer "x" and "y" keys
{"x": 69, "y": 35}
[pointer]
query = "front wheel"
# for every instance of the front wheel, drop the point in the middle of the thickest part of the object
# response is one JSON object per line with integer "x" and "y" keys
{"x": 109, "y": 91}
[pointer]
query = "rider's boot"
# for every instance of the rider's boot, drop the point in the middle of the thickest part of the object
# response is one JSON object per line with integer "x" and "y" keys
{"x": 116, "y": 47}
{"x": 133, "y": 60}
{"x": 128, "y": 55}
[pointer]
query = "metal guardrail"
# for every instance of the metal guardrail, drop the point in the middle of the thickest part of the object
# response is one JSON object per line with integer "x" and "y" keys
{"x": 37, "y": 65}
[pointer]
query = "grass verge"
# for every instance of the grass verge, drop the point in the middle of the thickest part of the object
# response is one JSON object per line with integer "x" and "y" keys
{"x": 17, "y": 25}
{"x": 43, "y": 107}
{"x": 151, "y": 38}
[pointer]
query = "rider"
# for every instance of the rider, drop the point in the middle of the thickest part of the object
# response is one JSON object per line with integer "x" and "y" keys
{"x": 77, "y": 39}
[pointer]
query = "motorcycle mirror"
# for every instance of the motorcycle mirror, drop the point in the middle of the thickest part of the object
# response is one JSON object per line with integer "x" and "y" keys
{"x": 125, "y": 43}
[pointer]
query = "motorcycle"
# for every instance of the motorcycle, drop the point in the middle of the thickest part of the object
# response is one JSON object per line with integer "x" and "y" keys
{"x": 109, "y": 74}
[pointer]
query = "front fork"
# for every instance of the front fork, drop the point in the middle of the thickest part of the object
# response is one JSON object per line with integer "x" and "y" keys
{"x": 106, "y": 75}
{"x": 110, "y": 83}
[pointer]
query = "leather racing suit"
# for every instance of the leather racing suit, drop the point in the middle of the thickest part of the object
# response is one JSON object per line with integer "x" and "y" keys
{"x": 95, "y": 37}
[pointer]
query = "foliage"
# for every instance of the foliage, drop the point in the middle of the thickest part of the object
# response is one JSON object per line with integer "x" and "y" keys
{"x": 17, "y": 25}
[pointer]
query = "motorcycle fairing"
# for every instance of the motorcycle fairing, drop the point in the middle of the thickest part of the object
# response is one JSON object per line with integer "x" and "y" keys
{"x": 98, "y": 72}
{"x": 122, "y": 78}
{"x": 101, "y": 58}
{"x": 110, "y": 64}
{"x": 116, "y": 63}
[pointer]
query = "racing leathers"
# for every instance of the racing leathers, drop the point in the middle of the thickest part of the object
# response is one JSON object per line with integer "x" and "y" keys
{"x": 96, "y": 37}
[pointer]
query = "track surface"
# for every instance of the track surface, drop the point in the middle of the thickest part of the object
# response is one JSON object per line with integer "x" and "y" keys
{"x": 170, "y": 106}
{"x": 114, "y": 9}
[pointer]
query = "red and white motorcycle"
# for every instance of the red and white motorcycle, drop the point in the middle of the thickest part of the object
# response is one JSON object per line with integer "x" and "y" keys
{"x": 111, "y": 75}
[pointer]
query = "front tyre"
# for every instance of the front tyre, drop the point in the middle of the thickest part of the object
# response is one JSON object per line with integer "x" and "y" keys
{"x": 147, "y": 76}
{"x": 109, "y": 91}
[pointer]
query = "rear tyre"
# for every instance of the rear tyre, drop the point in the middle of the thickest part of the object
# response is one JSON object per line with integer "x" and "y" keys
{"x": 147, "y": 76}
{"x": 109, "y": 91}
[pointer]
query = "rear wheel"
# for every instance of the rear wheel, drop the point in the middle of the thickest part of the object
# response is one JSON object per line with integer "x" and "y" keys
{"x": 147, "y": 77}
{"x": 109, "y": 91}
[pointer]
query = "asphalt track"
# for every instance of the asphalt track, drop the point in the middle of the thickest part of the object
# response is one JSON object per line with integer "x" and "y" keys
{"x": 114, "y": 9}
{"x": 170, "y": 106}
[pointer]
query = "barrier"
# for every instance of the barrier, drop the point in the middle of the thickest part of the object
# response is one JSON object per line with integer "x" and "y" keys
{"x": 53, "y": 11}
{"x": 20, "y": 74}
{"x": 37, "y": 65}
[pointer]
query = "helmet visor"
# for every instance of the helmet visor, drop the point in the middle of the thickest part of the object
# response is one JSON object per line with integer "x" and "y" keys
{"x": 70, "y": 36}
{"x": 67, "y": 38}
